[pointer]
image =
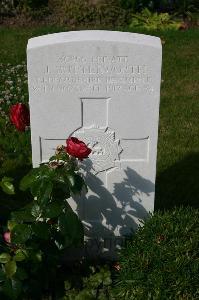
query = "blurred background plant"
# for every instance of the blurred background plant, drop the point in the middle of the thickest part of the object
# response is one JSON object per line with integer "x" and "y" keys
{"x": 73, "y": 13}
{"x": 85, "y": 12}
{"x": 7, "y": 7}
{"x": 15, "y": 149}
{"x": 153, "y": 21}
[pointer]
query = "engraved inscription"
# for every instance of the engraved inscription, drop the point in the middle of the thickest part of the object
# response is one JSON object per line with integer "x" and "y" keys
{"x": 93, "y": 74}
{"x": 97, "y": 149}
{"x": 105, "y": 149}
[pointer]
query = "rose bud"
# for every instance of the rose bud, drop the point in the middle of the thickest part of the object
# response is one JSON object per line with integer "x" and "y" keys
{"x": 51, "y": 222}
{"x": 7, "y": 237}
{"x": 20, "y": 116}
{"x": 77, "y": 148}
{"x": 117, "y": 267}
{"x": 59, "y": 149}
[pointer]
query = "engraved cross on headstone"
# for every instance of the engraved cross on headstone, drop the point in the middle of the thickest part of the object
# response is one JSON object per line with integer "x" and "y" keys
{"x": 108, "y": 150}
{"x": 110, "y": 155}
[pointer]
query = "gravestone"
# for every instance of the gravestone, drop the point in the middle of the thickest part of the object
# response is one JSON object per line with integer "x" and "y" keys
{"x": 102, "y": 87}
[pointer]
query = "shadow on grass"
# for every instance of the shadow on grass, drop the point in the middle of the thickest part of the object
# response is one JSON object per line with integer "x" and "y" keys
{"x": 179, "y": 184}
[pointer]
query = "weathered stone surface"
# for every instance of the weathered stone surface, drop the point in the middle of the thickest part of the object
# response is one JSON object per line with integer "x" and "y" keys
{"x": 104, "y": 88}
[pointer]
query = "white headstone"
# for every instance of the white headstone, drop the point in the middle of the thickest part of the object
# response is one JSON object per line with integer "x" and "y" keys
{"x": 104, "y": 88}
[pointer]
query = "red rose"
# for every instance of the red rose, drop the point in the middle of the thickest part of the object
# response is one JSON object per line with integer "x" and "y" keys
{"x": 19, "y": 116}
{"x": 77, "y": 148}
{"x": 7, "y": 237}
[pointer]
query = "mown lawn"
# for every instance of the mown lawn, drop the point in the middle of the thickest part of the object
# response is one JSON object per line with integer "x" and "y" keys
{"x": 178, "y": 146}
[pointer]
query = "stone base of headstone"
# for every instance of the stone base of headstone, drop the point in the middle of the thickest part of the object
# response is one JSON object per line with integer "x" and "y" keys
{"x": 107, "y": 249}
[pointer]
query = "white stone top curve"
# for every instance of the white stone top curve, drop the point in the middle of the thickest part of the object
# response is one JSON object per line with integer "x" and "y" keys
{"x": 94, "y": 35}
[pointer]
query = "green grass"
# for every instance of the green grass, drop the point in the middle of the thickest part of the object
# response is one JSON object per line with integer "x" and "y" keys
{"x": 178, "y": 147}
{"x": 160, "y": 262}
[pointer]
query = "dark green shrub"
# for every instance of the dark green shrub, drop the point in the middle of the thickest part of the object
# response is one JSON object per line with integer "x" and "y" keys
{"x": 154, "y": 5}
{"x": 128, "y": 4}
{"x": 161, "y": 261}
{"x": 185, "y": 8}
{"x": 7, "y": 7}
{"x": 32, "y": 10}
{"x": 175, "y": 6}
{"x": 15, "y": 148}
{"x": 33, "y": 4}
{"x": 15, "y": 161}
{"x": 85, "y": 12}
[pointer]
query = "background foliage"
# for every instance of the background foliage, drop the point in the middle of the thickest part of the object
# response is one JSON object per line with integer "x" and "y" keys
{"x": 147, "y": 20}
{"x": 93, "y": 12}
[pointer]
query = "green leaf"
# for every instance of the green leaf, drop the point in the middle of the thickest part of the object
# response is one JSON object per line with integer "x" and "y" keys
{"x": 12, "y": 289}
{"x": 4, "y": 258}
{"x": 29, "y": 179}
{"x": 35, "y": 256}
{"x": 61, "y": 191}
{"x": 20, "y": 255}
{"x": 2, "y": 276}
{"x": 21, "y": 274}
{"x": 78, "y": 184}
{"x": 59, "y": 176}
{"x": 10, "y": 268}
{"x": 46, "y": 191}
{"x": 71, "y": 228}
{"x": 36, "y": 211}
{"x": 71, "y": 179}
{"x": 21, "y": 233}
{"x": 11, "y": 224}
{"x": 7, "y": 186}
{"x": 54, "y": 157}
{"x": 35, "y": 188}
{"x": 42, "y": 189}
{"x": 86, "y": 294}
{"x": 53, "y": 210}
{"x": 63, "y": 156}
{"x": 16, "y": 287}
{"x": 41, "y": 230}
{"x": 23, "y": 214}
{"x": 10, "y": 179}
{"x": 60, "y": 241}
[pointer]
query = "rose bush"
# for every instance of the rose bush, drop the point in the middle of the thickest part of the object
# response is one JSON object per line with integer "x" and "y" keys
{"x": 19, "y": 116}
{"x": 77, "y": 148}
{"x": 36, "y": 237}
